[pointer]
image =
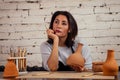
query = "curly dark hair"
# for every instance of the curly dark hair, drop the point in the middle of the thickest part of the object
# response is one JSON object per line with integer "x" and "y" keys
{"x": 72, "y": 26}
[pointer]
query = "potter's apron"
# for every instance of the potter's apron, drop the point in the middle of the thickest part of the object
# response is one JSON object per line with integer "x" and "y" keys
{"x": 63, "y": 67}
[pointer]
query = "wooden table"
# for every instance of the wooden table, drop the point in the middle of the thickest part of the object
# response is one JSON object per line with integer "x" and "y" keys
{"x": 44, "y": 75}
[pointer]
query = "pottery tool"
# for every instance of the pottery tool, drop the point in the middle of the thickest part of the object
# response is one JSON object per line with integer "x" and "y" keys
{"x": 12, "y": 54}
{"x": 23, "y": 60}
{"x": 19, "y": 59}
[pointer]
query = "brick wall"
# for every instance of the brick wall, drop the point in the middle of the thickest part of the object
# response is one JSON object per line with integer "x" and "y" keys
{"x": 23, "y": 22}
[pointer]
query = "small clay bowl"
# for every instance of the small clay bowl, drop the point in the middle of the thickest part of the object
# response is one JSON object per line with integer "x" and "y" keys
{"x": 97, "y": 66}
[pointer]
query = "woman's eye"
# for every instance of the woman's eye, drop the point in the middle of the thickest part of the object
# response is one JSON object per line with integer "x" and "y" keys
{"x": 64, "y": 23}
{"x": 56, "y": 21}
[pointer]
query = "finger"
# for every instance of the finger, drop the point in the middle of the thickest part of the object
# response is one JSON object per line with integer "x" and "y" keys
{"x": 81, "y": 68}
{"x": 72, "y": 66}
{"x": 49, "y": 31}
{"x": 75, "y": 68}
{"x": 78, "y": 68}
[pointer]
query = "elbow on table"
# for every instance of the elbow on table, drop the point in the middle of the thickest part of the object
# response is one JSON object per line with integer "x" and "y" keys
{"x": 53, "y": 67}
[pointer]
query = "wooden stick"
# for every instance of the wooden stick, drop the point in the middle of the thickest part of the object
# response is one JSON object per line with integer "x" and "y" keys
{"x": 22, "y": 55}
{"x": 19, "y": 60}
{"x": 24, "y": 52}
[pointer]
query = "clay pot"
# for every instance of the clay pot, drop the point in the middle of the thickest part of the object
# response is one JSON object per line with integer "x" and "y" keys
{"x": 76, "y": 58}
{"x": 97, "y": 66}
{"x": 10, "y": 69}
{"x": 110, "y": 67}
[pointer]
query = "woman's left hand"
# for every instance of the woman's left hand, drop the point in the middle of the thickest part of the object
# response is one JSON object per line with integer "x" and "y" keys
{"x": 78, "y": 68}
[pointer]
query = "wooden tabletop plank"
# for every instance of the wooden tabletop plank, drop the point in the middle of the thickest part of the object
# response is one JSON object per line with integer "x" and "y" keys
{"x": 74, "y": 75}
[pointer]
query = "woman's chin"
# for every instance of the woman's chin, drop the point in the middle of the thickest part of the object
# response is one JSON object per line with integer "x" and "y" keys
{"x": 58, "y": 34}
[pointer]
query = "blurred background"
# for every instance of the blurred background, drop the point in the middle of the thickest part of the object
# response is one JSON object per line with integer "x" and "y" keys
{"x": 23, "y": 24}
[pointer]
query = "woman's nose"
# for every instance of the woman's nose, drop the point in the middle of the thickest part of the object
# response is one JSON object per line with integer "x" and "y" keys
{"x": 59, "y": 25}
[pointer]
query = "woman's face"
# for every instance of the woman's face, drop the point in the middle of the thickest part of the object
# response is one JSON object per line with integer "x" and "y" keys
{"x": 61, "y": 26}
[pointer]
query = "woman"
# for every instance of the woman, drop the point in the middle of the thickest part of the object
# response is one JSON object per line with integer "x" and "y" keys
{"x": 61, "y": 44}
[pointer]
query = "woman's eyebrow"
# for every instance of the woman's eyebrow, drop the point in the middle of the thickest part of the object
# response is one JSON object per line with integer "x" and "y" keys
{"x": 59, "y": 20}
{"x": 64, "y": 21}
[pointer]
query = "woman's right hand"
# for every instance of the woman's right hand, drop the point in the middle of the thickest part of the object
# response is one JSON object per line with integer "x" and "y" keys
{"x": 53, "y": 58}
{"x": 51, "y": 34}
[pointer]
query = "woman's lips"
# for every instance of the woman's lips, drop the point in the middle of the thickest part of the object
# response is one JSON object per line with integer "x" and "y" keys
{"x": 57, "y": 31}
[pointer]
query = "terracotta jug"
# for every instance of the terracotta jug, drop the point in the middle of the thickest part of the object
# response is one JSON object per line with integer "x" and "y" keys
{"x": 10, "y": 69}
{"x": 76, "y": 58}
{"x": 110, "y": 67}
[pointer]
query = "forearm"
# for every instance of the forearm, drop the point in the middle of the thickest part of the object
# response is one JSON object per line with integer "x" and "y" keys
{"x": 53, "y": 59}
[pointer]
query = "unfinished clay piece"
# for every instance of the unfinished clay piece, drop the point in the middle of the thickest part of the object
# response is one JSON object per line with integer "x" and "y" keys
{"x": 97, "y": 66}
{"x": 10, "y": 69}
{"x": 76, "y": 58}
{"x": 110, "y": 67}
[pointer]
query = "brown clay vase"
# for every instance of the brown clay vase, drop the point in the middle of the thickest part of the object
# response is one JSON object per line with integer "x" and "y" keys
{"x": 76, "y": 58}
{"x": 110, "y": 67}
{"x": 10, "y": 69}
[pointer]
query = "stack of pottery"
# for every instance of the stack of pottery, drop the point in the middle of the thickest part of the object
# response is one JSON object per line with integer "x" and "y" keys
{"x": 10, "y": 69}
{"x": 76, "y": 59}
